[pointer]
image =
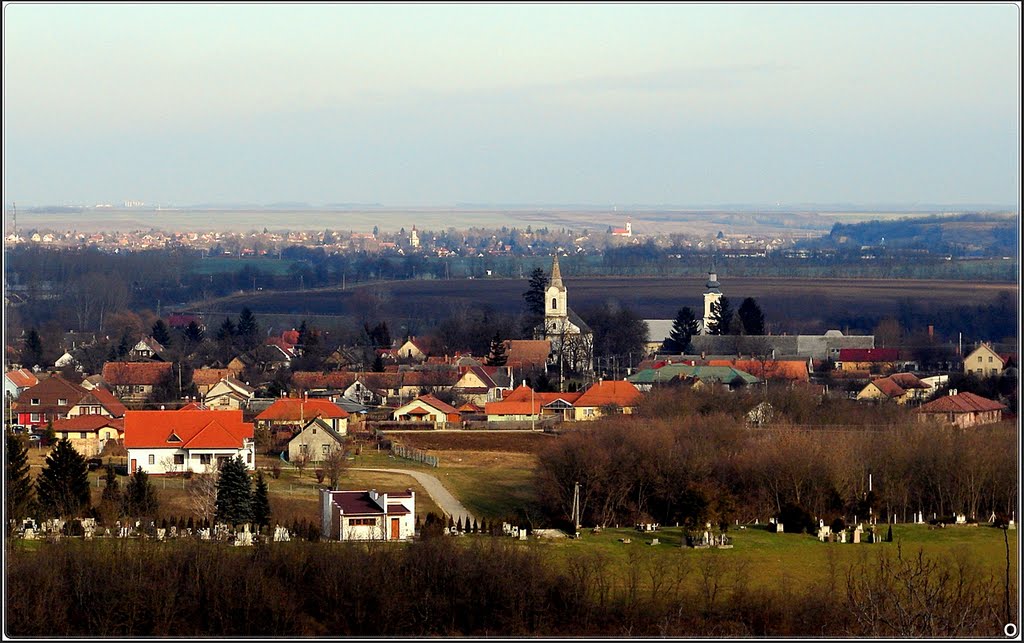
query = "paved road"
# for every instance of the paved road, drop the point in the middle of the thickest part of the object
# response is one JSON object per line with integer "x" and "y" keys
{"x": 441, "y": 496}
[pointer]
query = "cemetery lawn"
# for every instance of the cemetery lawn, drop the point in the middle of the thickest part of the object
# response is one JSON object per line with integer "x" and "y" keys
{"x": 776, "y": 561}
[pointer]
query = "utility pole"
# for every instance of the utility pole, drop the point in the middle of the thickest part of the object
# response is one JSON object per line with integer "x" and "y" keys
{"x": 576, "y": 506}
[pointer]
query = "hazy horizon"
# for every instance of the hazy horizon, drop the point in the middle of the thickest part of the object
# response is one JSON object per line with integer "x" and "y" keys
{"x": 664, "y": 105}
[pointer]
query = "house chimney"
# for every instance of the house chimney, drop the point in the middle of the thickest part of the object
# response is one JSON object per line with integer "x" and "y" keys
{"x": 931, "y": 332}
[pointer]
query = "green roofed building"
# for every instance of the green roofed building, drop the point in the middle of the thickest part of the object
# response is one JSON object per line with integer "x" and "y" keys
{"x": 677, "y": 373}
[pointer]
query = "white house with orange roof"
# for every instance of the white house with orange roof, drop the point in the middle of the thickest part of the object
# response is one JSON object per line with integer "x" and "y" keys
{"x": 427, "y": 408}
{"x": 604, "y": 395}
{"x": 162, "y": 442}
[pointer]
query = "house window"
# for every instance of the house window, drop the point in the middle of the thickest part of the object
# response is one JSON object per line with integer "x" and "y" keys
{"x": 34, "y": 417}
{"x": 362, "y": 522}
{"x": 989, "y": 359}
{"x": 205, "y": 458}
{"x": 980, "y": 359}
{"x": 61, "y": 401}
{"x": 179, "y": 458}
{"x": 326, "y": 448}
{"x": 35, "y": 401}
{"x": 83, "y": 435}
{"x": 303, "y": 448}
{"x": 554, "y": 303}
{"x": 248, "y": 458}
{"x": 314, "y": 430}
{"x": 152, "y": 459}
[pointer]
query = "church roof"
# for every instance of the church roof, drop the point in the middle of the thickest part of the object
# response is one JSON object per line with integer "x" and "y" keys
{"x": 556, "y": 274}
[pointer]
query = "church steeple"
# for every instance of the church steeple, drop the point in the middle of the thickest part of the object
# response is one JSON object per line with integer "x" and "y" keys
{"x": 711, "y": 295}
{"x": 556, "y": 274}
{"x": 556, "y": 305}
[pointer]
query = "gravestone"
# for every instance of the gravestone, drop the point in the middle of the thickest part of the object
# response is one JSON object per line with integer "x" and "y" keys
{"x": 654, "y": 541}
{"x": 961, "y": 519}
{"x": 842, "y": 536}
{"x": 778, "y": 528}
{"x": 30, "y": 533}
{"x": 522, "y": 534}
{"x": 856, "y": 535}
{"x": 160, "y": 533}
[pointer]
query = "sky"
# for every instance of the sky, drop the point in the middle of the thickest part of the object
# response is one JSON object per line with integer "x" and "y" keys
{"x": 434, "y": 105}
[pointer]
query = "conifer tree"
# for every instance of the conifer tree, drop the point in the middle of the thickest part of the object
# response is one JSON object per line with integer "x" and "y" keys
{"x": 751, "y": 317}
{"x": 161, "y": 333}
{"x": 112, "y": 496}
{"x": 721, "y": 317}
{"x": 234, "y": 493}
{"x": 496, "y": 356}
{"x": 63, "y": 485}
{"x": 248, "y": 330}
{"x": 534, "y": 295}
{"x": 32, "y": 354}
{"x": 260, "y": 502}
{"x": 140, "y": 496}
{"x": 18, "y": 485}
{"x": 684, "y": 328}
{"x": 193, "y": 333}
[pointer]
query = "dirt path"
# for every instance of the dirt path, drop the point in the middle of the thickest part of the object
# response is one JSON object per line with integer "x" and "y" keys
{"x": 441, "y": 496}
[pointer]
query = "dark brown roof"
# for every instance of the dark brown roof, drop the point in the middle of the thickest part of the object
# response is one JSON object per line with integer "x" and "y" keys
{"x": 49, "y": 392}
{"x": 135, "y": 373}
{"x": 961, "y": 403}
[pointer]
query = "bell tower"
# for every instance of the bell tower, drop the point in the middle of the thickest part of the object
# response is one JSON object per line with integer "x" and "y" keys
{"x": 711, "y": 295}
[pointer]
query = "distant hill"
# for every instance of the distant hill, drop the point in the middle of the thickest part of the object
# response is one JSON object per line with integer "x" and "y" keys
{"x": 977, "y": 235}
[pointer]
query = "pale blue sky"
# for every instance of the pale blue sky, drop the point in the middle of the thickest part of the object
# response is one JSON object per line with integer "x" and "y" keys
{"x": 526, "y": 103}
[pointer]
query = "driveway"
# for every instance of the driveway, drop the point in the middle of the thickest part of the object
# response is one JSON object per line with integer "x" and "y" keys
{"x": 441, "y": 496}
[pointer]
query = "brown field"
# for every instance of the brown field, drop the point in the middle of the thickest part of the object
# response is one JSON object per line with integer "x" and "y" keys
{"x": 814, "y": 301}
{"x": 475, "y": 441}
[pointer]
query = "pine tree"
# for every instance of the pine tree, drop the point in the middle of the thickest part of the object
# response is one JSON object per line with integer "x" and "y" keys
{"x": 227, "y": 332}
{"x": 112, "y": 489}
{"x": 535, "y": 293}
{"x": 684, "y": 328}
{"x": 140, "y": 496}
{"x": 378, "y": 364}
{"x": 458, "y": 524}
{"x": 234, "y": 493}
{"x": 18, "y": 487}
{"x": 248, "y": 330}
{"x": 124, "y": 345}
{"x": 193, "y": 333}
{"x": 496, "y": 356}
{"x": 49, "y": 435}
{"x": 63, "y": 485}
{"x": 260, "y": 502}
{"x": 721, "y": 317}
{"x": 161, "y": 333}
{"x": 32, "y": 354}
{"x": 751, "y": 317}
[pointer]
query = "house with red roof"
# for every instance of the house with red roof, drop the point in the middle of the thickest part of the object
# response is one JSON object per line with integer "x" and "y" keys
{"x": 134, "y": 381}
{"x": 55, "y": 398}
{"x": 527, "y": 354}
{"x": 205, "y": 378}
{"x": 162, "y": 442}
{"x": 293, "y": 413}
{"x": 606, "y": 394}
{"x": 228, "y": 393}
{"x": 88, "y": 434}
{"x": 523, "y": 404}
{"x": 482, "y": 384}
{"x": 367, "y": 515}
{"x": 872, "y": 360}
{"x": 18, "y": 381}
{"x": 898, "y": 387}
{"x": 147, "y": 348}
{"x": 427, "y": 408}
{"x": 414, "y": 349}
{"x": 962, "y": 410}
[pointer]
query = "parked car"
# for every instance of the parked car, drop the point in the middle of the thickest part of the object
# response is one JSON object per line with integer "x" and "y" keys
{"x": 34, "y": 437}
{"x": 94, "y": 463}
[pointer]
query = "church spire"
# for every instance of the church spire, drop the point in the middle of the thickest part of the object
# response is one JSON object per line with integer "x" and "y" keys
{"x": 556, "y": 274}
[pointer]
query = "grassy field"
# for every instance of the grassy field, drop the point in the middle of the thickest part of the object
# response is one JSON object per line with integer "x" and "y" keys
{"x": 648, "y": 297}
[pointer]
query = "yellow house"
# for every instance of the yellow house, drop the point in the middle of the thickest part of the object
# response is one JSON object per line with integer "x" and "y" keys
{"x": 899, "y": 387}
{"x": 88, "y": 434}
{"x": 984, "y": 362}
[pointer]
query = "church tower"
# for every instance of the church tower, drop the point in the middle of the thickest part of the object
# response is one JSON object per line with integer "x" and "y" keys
{"x": 555, "y": 298}
{"x": 711, "y": 295}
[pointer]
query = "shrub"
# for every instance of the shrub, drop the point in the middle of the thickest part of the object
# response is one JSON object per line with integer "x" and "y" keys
{"x": 320, "y": 476}
{"x": 275, "y": 471}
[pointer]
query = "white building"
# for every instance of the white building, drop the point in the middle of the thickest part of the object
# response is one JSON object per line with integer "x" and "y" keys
{"x": 711, "y": 295}
{"x": 367, "y": 515}
{"x": 572, "y": 341}
{"x": 162, "y": 442}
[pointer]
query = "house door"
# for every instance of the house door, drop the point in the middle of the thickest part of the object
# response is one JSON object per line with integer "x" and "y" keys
{"x": 134, "y": 464}
{"x": 394, "y": 529}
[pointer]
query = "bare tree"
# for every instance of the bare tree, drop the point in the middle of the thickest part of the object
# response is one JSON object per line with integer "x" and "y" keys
{"x": 335, "y": 464}
{"x": 202, "y": 495}
{"x": 302, "y": 459}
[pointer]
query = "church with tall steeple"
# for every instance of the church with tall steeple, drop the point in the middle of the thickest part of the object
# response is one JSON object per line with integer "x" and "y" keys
{"x": 711, "y": 295}
{"x": 572, "y": 341}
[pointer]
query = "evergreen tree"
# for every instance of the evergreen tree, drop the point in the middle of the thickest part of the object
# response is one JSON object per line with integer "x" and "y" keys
{"x": 63, "y": 485}
{"x": 18, "y": 484}
{"x": 751, "y": 317}
{"x": 496, "y": 356}
{"x": 140, "y": 496}
{"x": 32, "y": 354}
{"x": 248, "y": 330}
{"x": 161, "y": 333}
{"x": 227, "y": 332}
{"x": 193, "y": 333}
{"x": 234, "y": 493}
{"x": 721, "y": 317}
{"x": 260, "y": 502}
{"x": 378, "y": 364}
{"x": 535, "y": 293}
{"x": 684, "y": 328}
{"x": 112, "y": 489}
{"x": 124, "y": 345}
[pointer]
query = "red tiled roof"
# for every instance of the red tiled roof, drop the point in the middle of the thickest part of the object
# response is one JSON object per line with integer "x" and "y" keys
{"x": 772, "y": 368}
{"x": 437, "y": 404}
{"x": 617, "y": 392}
{"x": 907, "y": 380}
{"x": 888, "y": 387}
{"x": 107, "y": 400}
{"x": 196, "y": 429}
{"x": 22, "y": 378}
{"x": 868, "y": 354}
{"x": 210, "y": 376}
{"x": 137, "y": 373}
{"x": 525, "y": 401}
{"x": 194, "y": 406}
{"x": 289, "y": 409}
{"x": 519, "y": 352}
{"x": 88, "y": 423}
{"x": 961, "y": 403}
{"x": 49, "y": 392}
